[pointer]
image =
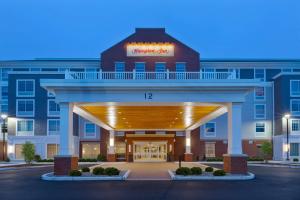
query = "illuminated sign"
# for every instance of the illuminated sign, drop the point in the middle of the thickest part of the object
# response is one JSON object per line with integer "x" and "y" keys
{"x": 150, "y": 49}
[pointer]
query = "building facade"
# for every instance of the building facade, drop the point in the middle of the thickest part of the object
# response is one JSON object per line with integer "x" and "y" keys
{"x": 151, "y": 98}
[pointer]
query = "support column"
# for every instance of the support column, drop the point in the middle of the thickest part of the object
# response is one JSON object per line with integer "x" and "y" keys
{"x": 111, "y": 156}
{"x": 235, "y": 161}
{"x": 188, "y": 156}
{"x": 66, "y": 160}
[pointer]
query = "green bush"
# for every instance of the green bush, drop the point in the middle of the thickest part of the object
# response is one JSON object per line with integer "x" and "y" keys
{"x": 28, "y": 152}
{"x": 7, "y": 159}
{"x": 85, "y": 169}
{"x": 75, "y": 173}
{"x": 111, "y": 171}
{"x": 209, "y": 169}
{"x": 37, "y": 158}
{"x": 101, "y": 158}
{"x": 98, "y": 171}
{"x": 196, "y": 170}
{"x": 185, "y": 171}
{"x": 255, "y": 159}
{"x": 214, "y": 159}
{"x": 296, "y": 160}
{"x": 219, "y": 172}
{"x": 46, "y": 160}
{"x": 87, "y": 160}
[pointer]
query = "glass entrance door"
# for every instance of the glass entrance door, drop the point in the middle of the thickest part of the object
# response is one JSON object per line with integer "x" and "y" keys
{"x": 150, "y": 151}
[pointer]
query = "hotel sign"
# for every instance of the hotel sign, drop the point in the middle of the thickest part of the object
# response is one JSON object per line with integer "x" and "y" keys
{"x": 150, "y": 49}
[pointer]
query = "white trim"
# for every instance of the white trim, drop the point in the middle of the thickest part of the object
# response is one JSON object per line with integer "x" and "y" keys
{"x": 264, "y": 97}
{"x": 17, "y": 88}
{"x": 95, "y": 132}
{"x": 265, "y": 111}
{"x": 212, "y": 134}
{"x": 285, "y": 73}
{"x": 48, "y": 107}
{"x": 26, "y": 115}
{"x": 291, "y": 95}
{"x": 291, "y": 125}
{"x": 25, "y": 133}
{"x": 58, "y": 132}
{"x": 291, "y": 110}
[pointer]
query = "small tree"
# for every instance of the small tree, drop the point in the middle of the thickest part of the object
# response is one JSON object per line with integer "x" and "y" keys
{"x": 267, "y": 150}
{"x": 28, "y": 152}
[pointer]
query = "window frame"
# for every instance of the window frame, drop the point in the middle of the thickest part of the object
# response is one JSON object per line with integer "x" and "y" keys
{"x": 214, "y": 149}
{"x": 264, "y": 97}
{"x": 211, "y": 134}
{"x": 292, "y": 95}
{"x": 25, "y": 115}
{"x": 291, "y": 125}
{"x": 17, "y": 88}
{"x": 255, "y": 111}
{"x": 85, "y": 132}
{"x": 25, "y": 133}
{"x": 263, "y": 134}
{"x": 48, "y": 131}
{"x": 48, "y": 109}
{"x": 291, "y": 110}
{"x": 264, "y": 70}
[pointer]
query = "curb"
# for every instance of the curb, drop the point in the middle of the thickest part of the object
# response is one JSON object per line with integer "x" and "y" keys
{"x": 50, "y": 177}
{"x": 174, "y": 177}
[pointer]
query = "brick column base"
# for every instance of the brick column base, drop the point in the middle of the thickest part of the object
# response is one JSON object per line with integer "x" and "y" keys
{"x": 111, "y": 157}
{"x": 235, "y": 164}
{"x": 188, "y": 157}
{"x": 64, "y": 164}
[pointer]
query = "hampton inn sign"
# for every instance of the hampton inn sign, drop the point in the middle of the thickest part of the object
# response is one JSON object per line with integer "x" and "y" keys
{"x": 150, "y": 49}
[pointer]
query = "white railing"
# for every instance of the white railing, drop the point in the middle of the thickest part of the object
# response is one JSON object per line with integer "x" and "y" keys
{"x": 150, "y": 75}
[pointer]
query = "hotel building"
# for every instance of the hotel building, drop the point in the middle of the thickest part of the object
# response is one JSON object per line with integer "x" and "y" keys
{"x": 151, "y": 98}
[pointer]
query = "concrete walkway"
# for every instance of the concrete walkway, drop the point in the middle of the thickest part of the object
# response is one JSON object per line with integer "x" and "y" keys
{"x": 149, "y": 171}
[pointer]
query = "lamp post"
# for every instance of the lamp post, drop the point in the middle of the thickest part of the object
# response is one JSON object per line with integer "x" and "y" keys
{"x": 287, "y": 116}
{"x": 4, "y": 130}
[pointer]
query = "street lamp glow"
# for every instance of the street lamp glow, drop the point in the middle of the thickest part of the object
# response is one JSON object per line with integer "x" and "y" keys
{"x": 3, "y": 116}
{"x": 287, "y": 116}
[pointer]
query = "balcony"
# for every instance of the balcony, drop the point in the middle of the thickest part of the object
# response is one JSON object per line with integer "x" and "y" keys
{"x": 133, "y": 75}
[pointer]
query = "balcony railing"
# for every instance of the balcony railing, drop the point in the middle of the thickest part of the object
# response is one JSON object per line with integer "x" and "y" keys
{"x": 151, "y": 75}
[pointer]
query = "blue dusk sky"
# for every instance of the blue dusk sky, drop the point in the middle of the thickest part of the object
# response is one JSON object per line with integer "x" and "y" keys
{"x": 84, "y": 28}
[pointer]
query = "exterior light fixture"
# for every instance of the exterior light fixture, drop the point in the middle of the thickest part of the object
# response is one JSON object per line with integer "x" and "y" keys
{"x": 287, "y": 145}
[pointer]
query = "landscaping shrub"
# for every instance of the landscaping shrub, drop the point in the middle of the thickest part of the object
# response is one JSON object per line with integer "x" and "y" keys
{"x": 255, "y": 159}
{"x": 7, "y": 159}
{"x": 46, "y": 160}
{"x": 111, "y": 171}
{"x": 296, "y": 160}
{"x": 219, "y": 173}
{"x": 209, "y": 169}
{"x": 85, "y": 169}
{"x": 196, "y": 170}
{"x": 101, "y": 158}
{"x": 75, "y": 173}
{"x": 185, "y": 171}
{"x": 87, "y": 160}
{"x": 214, "y": 159}
{"x": 98, "y": 171}
{"x": 28, "y": 151}
{"x": 37, "y": 158}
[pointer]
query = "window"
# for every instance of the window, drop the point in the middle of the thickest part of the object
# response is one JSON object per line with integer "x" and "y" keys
{"x": 259, "y": 93}
{"x": 260, "y": 74}
{"x": 160, "y": 69}
{"x": 119, "y": 133}
{"x": 295, "y": 106}
{"x": 25, "y": 107}
{"x": 90, "y": 129}
{"x": 210, "y": 129}
{"x": 295, "y": 126}
{"x": 119, "y": 69}
{"x": 260, "y": 111}
{"x": 25, "y": 88}
{"x": 4, "y": 74}
{"x": 53, "y": 126}
{"x": 210, "y": 149}
{"x": 18, "y": 152}
{"x": 180, "y": 70}
{"x": 294, "y": 149}
{"x": 25, "y": 127}
{"x": 295, "y": 88}
{"x": 140, "y": 70}
{"x": 120, "y": 150}
{"x": 52, "y": 150}
{"x": 180, "y": 133}
{"x": 260, "y": 129}
{"x": 90, "y": 149}
{"x": 286, "y": 69}
{"x": 53, "y": 108}
{"x": 4, "y": 107}
{"x": 4, "y": 92}
{"x": 139, "y": 132}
